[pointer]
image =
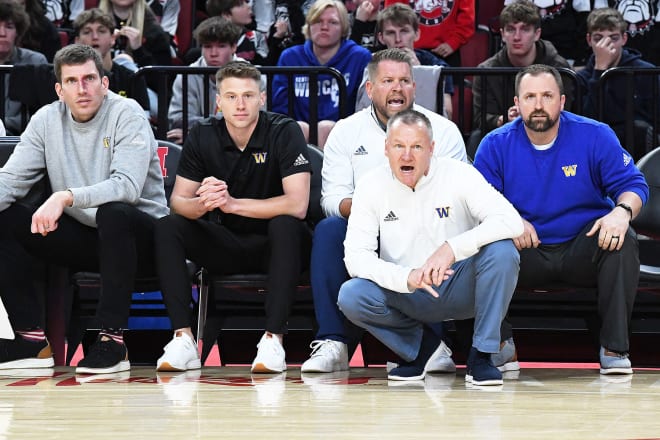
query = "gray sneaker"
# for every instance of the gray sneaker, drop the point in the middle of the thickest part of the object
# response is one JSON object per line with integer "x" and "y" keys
{"x": 507, "y": 358}
{"x": 440, "y": 361}
{"x": 614, "y": 363}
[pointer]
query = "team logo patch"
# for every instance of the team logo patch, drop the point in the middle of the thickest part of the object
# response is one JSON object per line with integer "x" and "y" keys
{"x": 390, "y": 217}
{"x": 569, "y": 170}
{"x": 259, "y": 157}
{"x": 432, "y": 12}
{"x": 443, "y": 212}
{"x": 106, "y": 142}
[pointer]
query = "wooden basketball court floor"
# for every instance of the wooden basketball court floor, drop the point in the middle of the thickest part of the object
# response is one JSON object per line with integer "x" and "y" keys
{"x": 552, "y": 402}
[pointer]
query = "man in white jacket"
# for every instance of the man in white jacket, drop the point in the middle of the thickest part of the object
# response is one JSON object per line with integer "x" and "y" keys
{"x": 428, "y": 240}
{"x": 354, "y": 147}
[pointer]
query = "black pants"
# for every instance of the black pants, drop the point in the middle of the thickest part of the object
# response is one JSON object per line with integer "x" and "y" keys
{"x": 582, "y": 263}
{"x": 282, "y": 254}
{"x": 121, "y": 243}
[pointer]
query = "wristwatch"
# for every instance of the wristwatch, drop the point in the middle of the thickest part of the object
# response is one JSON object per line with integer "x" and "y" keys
{"x": 626, "y": 207}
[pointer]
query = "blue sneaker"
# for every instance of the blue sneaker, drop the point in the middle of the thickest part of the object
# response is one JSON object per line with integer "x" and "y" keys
{"x": 507, "y": 358}
{"x": 614, "y": 363}
{"x": 416, "y": 369}
{"x": 480, "y": 369}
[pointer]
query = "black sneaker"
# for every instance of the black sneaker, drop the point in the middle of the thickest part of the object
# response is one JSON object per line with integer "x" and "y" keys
{"x": 104, "y": 357}
{"x": 22, "y": 353}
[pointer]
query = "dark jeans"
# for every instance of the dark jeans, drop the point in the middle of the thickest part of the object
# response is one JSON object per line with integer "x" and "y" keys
{"x": 121, "y": 243}
{"x": 283, "y": 253}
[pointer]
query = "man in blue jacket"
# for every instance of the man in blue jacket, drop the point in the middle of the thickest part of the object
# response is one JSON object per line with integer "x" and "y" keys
{"x": 577, "y": 191}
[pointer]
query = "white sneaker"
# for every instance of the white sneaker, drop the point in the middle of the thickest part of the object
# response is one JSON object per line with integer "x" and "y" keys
{"x": 327, "y": 356}
{"x": 180, "y": 354}
{"x": 270, "y": 356}
{"x": 440, "y": 361}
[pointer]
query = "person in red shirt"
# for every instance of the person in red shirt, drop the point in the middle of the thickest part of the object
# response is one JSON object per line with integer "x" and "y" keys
{"x": 445, "y": 25}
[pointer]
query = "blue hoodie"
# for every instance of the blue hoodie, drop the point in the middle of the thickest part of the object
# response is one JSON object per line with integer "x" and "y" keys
{"x": 350, "y": 60}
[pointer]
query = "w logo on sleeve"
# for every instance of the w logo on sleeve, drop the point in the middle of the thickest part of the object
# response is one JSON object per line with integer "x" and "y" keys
{"x": 569, "y": 170}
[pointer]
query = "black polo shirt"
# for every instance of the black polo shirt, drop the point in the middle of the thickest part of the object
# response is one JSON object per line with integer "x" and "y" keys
{"x": 276, "y": 149}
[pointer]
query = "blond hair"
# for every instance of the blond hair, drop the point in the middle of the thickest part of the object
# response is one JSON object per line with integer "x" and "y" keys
{"x": 319, "y": 6}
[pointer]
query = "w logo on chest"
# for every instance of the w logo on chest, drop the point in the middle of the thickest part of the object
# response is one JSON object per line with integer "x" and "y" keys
{"x": 443, "y": 212}
{"x": 569, "y": 170}
{"x": 259, "y": 157}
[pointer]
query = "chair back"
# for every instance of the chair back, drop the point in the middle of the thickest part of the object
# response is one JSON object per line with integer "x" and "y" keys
{"x": 169, "y": 155}
{"x": 648, "y": 220}
{"x": 314, "y": 211}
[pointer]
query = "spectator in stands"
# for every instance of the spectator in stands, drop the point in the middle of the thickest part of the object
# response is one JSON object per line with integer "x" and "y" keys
{"x": 99, "y": 154}
{"x": 326, "y": 29}
{"x": 418, "y": 255}
{"x": 397, "y": 26}
{"x": 606, "y": 34}
{"x": 139, "y": 41}
{"x": 520, "y": 27}
{"x": 138, "y": 36}
{"x": 95, "y": 28}
{"x": 355, "y": 147}
{"x": 577, "y": 191}
{"x": 14, "y": 22}
{"x": 42, "y": 35}
{"x": 563, "y": 23}
{"x": 444, "y": 29}
{"x": 241, "y": 192}
{"x": 252, "y": 45}
{"x": 218, "y": 38}
{"x": 167, "y": 13}
{"x": 643, "y": 25}
{"x": 286, "y": 31}
{"x": 363, "y": 30}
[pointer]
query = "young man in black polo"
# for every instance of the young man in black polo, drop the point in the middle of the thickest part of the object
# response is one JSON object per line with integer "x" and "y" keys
{"x": 238, "y": 204}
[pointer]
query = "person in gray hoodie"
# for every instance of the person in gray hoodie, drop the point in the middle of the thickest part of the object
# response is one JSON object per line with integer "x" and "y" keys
{"x": 100, "y": 158}
{"x": 218, "y": 37}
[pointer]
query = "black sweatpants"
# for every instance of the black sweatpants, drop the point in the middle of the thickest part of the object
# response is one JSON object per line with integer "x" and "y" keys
{"x": 121, "y": 243}
{"x": 283, "y": 253}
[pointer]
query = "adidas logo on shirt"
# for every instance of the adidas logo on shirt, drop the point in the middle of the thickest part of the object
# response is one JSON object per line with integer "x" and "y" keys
{"x": 300, "y": 160}
{"x": 391, "y": 217}
{"x": 626, "y": 159}
{"x": 361, "y": 151}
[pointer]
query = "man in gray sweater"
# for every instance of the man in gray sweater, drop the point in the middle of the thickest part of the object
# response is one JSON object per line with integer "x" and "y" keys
{"x": 100, "y": 158}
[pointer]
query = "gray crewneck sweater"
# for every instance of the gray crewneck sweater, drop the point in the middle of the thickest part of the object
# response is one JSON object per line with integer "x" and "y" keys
{"x": 111, "y": 158}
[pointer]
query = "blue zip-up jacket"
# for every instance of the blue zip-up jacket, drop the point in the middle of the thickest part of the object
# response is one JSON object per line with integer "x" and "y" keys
{"x": 561, "y": 189}
{"x": 350, "y": 60}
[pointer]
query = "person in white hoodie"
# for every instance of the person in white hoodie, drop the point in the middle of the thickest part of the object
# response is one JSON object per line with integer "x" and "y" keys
{"x": 429, "y": 240}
